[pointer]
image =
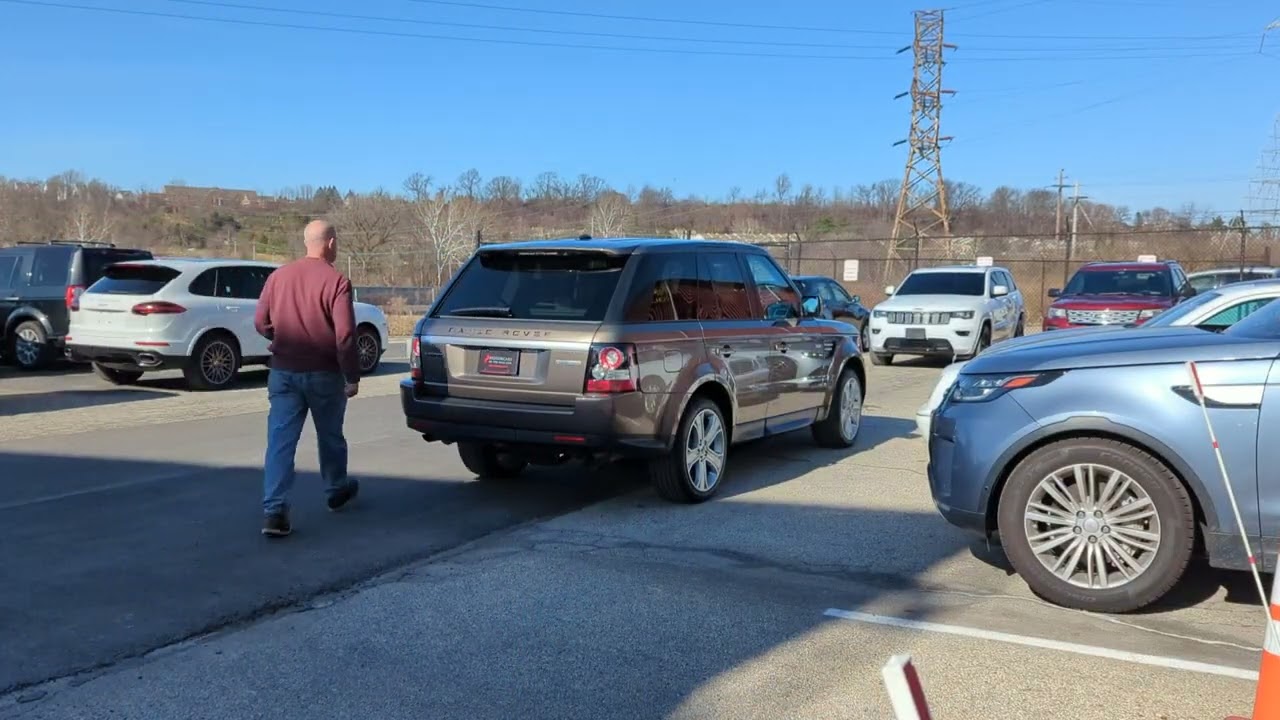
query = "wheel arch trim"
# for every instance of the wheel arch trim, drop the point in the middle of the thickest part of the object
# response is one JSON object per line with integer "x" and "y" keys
{"x": 993, "y": 486}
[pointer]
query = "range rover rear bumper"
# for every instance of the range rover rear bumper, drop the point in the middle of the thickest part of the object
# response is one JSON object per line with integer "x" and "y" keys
{"x": 602, "y": 423}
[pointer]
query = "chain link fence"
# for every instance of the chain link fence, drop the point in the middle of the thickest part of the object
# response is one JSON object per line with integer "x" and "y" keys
{"x": 404, "y": 280}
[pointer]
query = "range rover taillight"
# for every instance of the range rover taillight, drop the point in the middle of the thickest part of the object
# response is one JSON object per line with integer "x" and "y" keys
{"x": 612, "y": 368}
{"x": 415, "y": 359}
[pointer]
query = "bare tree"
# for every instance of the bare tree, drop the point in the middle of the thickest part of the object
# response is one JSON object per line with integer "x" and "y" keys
{"x": 589, "y": 188}
{"x": 470, "y": 183}
{"x": 86, "y": 223}
{"x": 503, "y": 189}
{"x": 444, "y": 222}
{"x": 547, "y": 186}
{"x": 782, "y": 187}
{"x": 368, "y": 226}
{"x": 609, "y": 214}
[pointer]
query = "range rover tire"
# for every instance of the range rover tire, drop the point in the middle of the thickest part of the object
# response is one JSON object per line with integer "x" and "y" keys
{"x": 116, "y": 377}
{"x": 487, "y": 463}
{"x": 688, "y": 473}
{"x": 839, "y": 429}
{"x": 881, "y": 359}
{"x": 214, "y": 363}
{"x": 29, "y": 346}
{"x": 1134, "y": 513}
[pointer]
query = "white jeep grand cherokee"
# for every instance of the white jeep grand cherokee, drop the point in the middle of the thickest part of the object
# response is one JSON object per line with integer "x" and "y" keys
{"x": 952, "y": 312}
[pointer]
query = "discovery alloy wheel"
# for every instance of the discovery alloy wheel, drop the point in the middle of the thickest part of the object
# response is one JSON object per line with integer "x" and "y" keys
{"x": 1096, "y": 524}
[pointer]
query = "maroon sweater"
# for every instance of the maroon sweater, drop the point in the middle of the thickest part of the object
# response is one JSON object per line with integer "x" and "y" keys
{"x": 306, "y": 312}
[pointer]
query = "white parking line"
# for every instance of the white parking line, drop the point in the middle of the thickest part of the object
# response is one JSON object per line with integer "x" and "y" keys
{"x": 1091, "y": 650}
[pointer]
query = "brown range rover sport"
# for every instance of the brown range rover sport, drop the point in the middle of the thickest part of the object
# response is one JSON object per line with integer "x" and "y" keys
{"x": 669, "y": 351}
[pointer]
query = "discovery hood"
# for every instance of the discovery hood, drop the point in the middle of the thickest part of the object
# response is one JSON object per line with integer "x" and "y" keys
{"x": 1146, "y": 347}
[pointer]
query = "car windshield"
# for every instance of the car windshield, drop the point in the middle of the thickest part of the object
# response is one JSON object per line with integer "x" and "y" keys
{"x": 1119, "y": 282}
{"x": 944, "y": 283}
{"x": 535, "y": 285}
{"x": 1174, "y": 315}
{"x": 1263, "y": 324}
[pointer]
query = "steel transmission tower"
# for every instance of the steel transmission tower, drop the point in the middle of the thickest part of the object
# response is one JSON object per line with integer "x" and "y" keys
{"x": 922, "y": 201}
{"x": 1264, "y": 190}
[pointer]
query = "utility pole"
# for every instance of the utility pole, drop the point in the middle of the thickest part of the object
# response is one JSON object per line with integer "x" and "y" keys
{"x": 1057, "y": 225}
{"x": 922, "y": 199}
{"x": 1244, "y": 242}
{"x": 1075, "y": 229}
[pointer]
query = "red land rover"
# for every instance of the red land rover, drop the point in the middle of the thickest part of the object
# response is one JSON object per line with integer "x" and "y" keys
{"x": 1117, "y": 293}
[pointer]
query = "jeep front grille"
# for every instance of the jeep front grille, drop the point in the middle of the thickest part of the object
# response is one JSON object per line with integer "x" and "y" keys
{"x": 919, "y": 318}
{"x": 1101, "y": 317}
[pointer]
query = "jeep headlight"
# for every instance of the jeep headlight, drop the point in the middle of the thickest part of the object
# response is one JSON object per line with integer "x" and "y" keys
{"x": 962, "y": 315}
{"x": 1148, "y": 314}
{"x": 1057, "y": 312}
{"x": 879, "y": 314}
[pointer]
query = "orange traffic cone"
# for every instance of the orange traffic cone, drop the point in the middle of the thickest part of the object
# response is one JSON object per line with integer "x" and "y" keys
{"x": 1266, "y": 706}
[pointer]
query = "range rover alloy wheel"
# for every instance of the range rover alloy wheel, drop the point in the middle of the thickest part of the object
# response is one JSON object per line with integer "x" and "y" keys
{"x": 1096, "y": 524}
{"x": 695, "y": 467}
{"x": 839, "y": 429}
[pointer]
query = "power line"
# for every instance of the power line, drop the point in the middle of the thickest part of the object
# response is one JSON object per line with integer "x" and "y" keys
{"x": 448, "y": 38}
{"x": 671, "y": 21}
{"x": 480, "y": 26}
{"x": 800, "y": 28}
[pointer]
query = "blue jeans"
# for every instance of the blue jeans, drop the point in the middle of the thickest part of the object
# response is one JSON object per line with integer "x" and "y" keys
{"x": 292, "y": 395}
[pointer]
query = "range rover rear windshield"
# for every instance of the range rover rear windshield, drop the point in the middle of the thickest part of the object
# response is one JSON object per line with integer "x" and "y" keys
{"x": 535, "y": 285}
{"x": 133, "y": 280}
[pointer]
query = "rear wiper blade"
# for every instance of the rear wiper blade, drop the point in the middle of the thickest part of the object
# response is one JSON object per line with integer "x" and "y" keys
{"x": 492, "y": 311}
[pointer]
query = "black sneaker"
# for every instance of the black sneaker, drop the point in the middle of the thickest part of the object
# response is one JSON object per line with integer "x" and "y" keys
{"x": 276, "y": 525}
{"x": 341, "y": 498}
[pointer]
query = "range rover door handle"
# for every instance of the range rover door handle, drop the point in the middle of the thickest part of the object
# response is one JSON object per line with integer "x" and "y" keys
{"x": 780, "y": 346}
{"x": 724, "y": 350}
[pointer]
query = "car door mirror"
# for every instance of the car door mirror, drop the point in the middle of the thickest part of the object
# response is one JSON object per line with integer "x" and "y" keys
{"x": 999, "y": 291}
{"x": 888, "y": 289}
{"x": 780, "y": 311}
{"x": 1188, "y": 291}
{"x": 812, "y": 306}
{"x": 1055, "y": 292}
{"x": 856, "y": 299}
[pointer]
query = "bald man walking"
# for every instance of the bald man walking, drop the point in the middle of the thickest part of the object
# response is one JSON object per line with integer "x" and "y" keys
{"x": 306, "y": 312}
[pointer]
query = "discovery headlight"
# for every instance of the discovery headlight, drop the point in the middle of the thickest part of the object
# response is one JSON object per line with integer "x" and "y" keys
{"x": 981, "y": 388}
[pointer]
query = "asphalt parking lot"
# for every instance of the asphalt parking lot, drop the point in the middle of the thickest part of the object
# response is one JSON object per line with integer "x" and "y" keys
{"x": 135, "y": 583}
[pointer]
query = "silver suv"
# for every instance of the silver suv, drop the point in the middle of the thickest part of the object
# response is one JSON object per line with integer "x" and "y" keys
{"x": 670, "y": 351}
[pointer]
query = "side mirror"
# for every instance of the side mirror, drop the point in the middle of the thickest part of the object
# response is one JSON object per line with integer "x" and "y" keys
{"x": 999, "y": 291}
{"x": 1188, "y": 291}
{"x": 888, "y": 289}
{"x": 1055, "y": 292}
{"x": 857, "y": 299}
{"x": 812, "y": 306}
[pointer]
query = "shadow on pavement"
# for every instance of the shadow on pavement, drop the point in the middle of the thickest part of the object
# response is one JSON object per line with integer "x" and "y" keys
{"x": 256, "y": 377}
{"x": 24, "y": 403}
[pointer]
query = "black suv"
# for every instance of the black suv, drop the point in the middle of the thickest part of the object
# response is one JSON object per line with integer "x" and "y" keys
{"x": 40, "y": 286}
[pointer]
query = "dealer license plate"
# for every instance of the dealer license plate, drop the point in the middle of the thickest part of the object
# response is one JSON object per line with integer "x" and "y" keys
{"x": 499, "y": 362}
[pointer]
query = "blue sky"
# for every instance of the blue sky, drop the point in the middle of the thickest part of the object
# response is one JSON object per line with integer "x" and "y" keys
{"x": 1143, "y": 101}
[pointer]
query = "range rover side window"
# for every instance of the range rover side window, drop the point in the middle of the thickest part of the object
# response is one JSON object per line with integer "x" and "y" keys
{"x": 778, "y": 300}
{"x": 664, "y": 288}
{"x": 722, "y": 288}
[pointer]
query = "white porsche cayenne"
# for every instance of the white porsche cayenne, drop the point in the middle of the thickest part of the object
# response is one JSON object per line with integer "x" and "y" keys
{"x": 188, "y": 314}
